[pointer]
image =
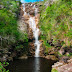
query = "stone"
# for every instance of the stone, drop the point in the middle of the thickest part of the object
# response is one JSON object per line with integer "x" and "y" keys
{"x": 32, "y": 12}
{"x": 10, "y": 58}
{"x": 63, "y": 67}
{"x": 23, "y": 57}
{"x": 61, "y": 51}
{"x": 52, "y": 57}
{"x": 64, "y": 59}
{"x": 31, "y": 49}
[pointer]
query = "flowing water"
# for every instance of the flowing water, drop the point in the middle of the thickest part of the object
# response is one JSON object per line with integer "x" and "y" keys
{"x": 35, "y": 29}
{"x": 31, "y": 65}
{"x": 36, "y": 34}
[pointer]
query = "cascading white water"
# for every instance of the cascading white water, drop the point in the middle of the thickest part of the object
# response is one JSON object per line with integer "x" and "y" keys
{"x": 32, "y": 25}
{"x": 35, "y": 30}
{"x": 24, "y": 9}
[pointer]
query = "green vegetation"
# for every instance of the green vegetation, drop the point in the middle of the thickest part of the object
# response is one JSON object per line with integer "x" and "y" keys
{"x": 8, "y": 21}
{"x": 55, "y": 22}
{"x": 10, "y": 36}
{"x": 54, "y": 70}
{"x": 2, "y": 66}
{"x": 9, "y": 33}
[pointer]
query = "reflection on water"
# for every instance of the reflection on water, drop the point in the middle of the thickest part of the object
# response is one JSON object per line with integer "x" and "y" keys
{"x": 31, "y": 65}
{"x": 37, "y": 65}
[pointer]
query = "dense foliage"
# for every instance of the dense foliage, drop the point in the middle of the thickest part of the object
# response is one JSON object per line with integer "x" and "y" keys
{"x": 8, "y": 20}
{"x": 56, "y": 22}
{"x": 10, "y": 36}
{"x": 2, "y": 66}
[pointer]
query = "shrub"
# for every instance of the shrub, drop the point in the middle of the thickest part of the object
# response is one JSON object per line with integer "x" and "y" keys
{"x": 2, "y": 66}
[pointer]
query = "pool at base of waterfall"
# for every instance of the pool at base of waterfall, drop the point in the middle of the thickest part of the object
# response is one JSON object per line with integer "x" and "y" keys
{"x": 35, "y": 64}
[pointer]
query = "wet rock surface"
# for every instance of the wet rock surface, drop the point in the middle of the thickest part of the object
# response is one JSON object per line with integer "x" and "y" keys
{"x": 31, "y": 49}
{"x": 29, "y": 11}
{"x": 24, "y": 56}
{"x": 52, "y": 57}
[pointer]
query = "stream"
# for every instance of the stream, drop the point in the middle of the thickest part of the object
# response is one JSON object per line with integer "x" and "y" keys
{"x": 35, "y": 64}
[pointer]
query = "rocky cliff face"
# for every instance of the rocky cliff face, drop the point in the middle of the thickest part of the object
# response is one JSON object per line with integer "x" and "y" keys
{"x": 27, "y": 12}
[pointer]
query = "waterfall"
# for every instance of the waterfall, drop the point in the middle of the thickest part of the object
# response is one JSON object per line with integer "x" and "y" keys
{"x": 24, "y": 8}
{"x": 35, "y": 29}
